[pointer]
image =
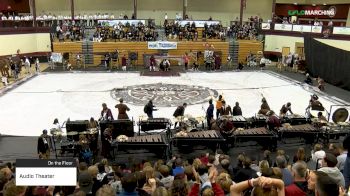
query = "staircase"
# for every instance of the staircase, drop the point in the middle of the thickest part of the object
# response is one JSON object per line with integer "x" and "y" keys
{"x": 233, "y": 51}
{"x": 88, "y": 52}
{"x": 89, "y": 33}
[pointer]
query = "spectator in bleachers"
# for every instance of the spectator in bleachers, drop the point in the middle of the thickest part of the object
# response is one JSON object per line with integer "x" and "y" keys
{"x": 329, "y": 163}
{"x": 281, "y": 162}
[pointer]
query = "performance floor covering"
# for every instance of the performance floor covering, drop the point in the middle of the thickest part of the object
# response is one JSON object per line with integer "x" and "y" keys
{"x": 32, "y": 106}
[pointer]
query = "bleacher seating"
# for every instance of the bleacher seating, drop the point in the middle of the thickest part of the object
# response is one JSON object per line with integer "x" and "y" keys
{"x": 246, "y": 46}
{"x": 100, "y": 48}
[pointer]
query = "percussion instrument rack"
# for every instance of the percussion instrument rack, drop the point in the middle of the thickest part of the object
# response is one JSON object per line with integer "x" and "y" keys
{"x": 150, "y": 124}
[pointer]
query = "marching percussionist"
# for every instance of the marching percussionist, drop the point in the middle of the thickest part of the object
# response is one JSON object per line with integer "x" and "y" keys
{"x": 122, "y": 108}
{"x": 149, "y": 108}
{"x": 226, "y": 109}
{"x": 272, "y": 121}
{"x": 315, "y": 104}
{"x": 285, "y": 109}
{"x": 321, "y": 118}
{"x": 237, "y": 111}
{"x": 180, "y": 111}
{"x": 106, "y": 113}
{"x": 210, "y": 113}
{"x": 264, "y": 108}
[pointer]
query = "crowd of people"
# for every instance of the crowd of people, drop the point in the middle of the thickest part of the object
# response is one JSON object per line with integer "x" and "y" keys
{"x": 206, "y": 174}
{"x": 130, "y": 32}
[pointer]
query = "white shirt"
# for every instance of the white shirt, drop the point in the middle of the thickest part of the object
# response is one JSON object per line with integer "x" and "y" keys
{"x": 3, "y": 18}
{"x": 166, "y": 17}
{"x": 318, "y": 156}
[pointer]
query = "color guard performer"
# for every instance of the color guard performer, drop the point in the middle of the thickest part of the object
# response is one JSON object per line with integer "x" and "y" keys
{"x": 180, "y": 111}
{"x": 122, "y": 108}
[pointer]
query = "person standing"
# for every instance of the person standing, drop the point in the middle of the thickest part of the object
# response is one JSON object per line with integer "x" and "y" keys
{"x": 43, "y": 147}
{"x": 180, "y": 111}
{"x": 210, "y": 113}
{"x": 124, "y": 62}
{"x": 186, "y": 59}
{"x": 122, "y": 108}
{"x": 27, "y": 65}
{"x": 219, "y": 106}
{"x": 226, "y": 109}
{"x": 237, "y": 111}
{"x": 149, "y": 108}
{"x": 152, "y": 63}
{"x": 106, "y": 113}
{"x": 37, "y": 65}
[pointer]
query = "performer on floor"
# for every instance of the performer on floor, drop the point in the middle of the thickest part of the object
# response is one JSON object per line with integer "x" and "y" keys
{"x": 93, "y": 125}
{"x": 180, "y": 111}
{"x": 152, "y": 63}
{"x": 210, "y": 113}
{"x": 219, "y": 106}
{"x": 106, "y": 113}
{"x": 43, "y": 147}
{"x": 285, "y": 109}
{"x": 149, "y": 108}
{"x": 273, "y": 122}
{"x": 264, "y": 108}
{"x": 237, "y": 111}
{"x": 226, "y": 109}
{"x": 122, "y": 108}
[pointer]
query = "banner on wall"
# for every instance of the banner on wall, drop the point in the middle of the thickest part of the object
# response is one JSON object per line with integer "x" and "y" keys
{"x": 302, "y": 28}
{"x": 162, "y": 45}
{"x": 341, "y": 30}
{"x": 316, "y": 29}
{"x": 283, "y": 27}
{"x": 123, "y": 22}
{"x": 198, "y": 23}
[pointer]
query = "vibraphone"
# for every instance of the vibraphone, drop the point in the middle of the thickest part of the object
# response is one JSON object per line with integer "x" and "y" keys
{"x": 306, "y": 131}
{"x": 261, "y": 135}
{"x": 211, "y": 139}
{"x": 296, "y": 119}
{"x": 158, "y": 144}
{"x": 153, "y": 124}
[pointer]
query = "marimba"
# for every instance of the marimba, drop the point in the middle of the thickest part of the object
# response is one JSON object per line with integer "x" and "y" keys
{"x": 296, "y": 119}
{"x": 211, "y": 139}
{"x": 153, "y": 124}
{"x": 306, "y": 131}
{"x": 158, "y": 144}
{"x": 333, "y": 130}
{"x": 261, "y": 135}
{"x": 239, "y": 122}
{"x": 119, "y": 127}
